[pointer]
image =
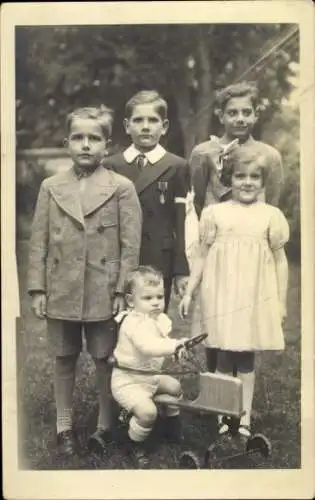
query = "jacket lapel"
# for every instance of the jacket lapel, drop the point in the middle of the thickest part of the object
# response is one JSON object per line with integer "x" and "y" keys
{"x": 151, "y": 173}
{"x": 65, "y": 192}
{"x": 100, "y": 187}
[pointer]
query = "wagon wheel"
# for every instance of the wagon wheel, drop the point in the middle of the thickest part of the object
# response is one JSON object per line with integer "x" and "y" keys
{"x": 189, "y": 460}
{"x": 259, "y": 443}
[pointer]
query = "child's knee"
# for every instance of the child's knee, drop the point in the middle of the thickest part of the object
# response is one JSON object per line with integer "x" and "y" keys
{"x": 176, "y": 389}
{"x": 145, "y": 411}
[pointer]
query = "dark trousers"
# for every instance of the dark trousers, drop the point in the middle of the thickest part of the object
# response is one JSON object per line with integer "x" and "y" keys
{"x": 211, "y": 357}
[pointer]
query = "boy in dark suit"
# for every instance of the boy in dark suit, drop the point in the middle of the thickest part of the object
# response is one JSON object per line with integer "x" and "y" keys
{"x": 159, "y": 177}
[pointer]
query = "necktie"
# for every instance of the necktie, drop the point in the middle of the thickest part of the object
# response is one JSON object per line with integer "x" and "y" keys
{"x": 140, "y": 162}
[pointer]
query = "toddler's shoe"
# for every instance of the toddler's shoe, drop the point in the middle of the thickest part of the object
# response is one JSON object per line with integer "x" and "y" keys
{"x": 66, "y": 442}
{"x": 225, "y": 426}
{"x": 139, "y": 454}
{"x": 244, "y": 431}
{"x": 172, "y": 429}
{"x": 99, "y": 441}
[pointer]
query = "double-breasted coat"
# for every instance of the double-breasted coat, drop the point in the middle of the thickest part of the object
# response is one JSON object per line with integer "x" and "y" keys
{"x": 163, "y": 227}
{"x": 83, "y": 243}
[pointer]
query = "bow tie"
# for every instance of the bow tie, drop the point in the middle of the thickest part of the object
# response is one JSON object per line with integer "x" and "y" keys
{"x": 82, "y": 172}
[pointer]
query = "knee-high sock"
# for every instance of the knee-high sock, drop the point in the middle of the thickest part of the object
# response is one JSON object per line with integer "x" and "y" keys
{"x": 64, "y": 386}
{"x": 248, "y": 380}
{"x": 220, "y": 417}
{"x": 136, "y": 431}
{"x": 103, "y": 376}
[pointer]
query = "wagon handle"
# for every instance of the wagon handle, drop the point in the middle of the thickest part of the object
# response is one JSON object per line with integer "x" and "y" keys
{"x": 189, "y": 344}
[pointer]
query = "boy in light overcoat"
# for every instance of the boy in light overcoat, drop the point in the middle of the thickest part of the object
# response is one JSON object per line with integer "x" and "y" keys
{"x": 85, "y": 239}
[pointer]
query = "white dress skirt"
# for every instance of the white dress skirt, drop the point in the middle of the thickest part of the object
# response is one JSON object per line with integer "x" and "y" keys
{"x": 238, "y": 296}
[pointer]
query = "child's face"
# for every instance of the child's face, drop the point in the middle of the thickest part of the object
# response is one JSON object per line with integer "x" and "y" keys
{"x": 238, "y": 118}
{"x": 86, "y": 142}
{"x": 145, "y": 127}
{"x": 147, "y": 298}
{"x": 247, "y": 183}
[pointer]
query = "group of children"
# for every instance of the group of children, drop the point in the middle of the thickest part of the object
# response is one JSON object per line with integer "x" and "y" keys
{"x": 108, "y": 240}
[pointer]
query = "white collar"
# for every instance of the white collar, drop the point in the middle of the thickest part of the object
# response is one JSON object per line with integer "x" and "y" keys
{"x": 153, "y": 156}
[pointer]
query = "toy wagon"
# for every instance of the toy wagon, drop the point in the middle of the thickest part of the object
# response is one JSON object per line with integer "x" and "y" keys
{"x": 222, "y": 395}
{"x": 218, "y": 394}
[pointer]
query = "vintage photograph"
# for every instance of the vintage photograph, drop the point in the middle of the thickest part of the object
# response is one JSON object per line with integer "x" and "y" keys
{"x": 158, "y": 246}
{"x": 180, "y": 96}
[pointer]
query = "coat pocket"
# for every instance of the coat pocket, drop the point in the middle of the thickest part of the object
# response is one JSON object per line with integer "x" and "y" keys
{"x": 52, "y": 264}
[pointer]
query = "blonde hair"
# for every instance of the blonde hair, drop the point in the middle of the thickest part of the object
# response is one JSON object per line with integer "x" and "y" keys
{"x": 103, "y": 115}
{"x": 148, "y": 274}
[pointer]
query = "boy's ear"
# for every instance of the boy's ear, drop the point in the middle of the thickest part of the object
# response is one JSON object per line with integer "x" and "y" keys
{"x": 219, "y": 114}
{"x": 126, "y": 125}
{"x": 129, "y": 301}
{"x": 66, "y": 142}
{"x": 166, "y": 125}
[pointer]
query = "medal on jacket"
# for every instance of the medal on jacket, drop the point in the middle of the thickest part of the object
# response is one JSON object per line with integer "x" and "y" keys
{"x": 162, "y": 186}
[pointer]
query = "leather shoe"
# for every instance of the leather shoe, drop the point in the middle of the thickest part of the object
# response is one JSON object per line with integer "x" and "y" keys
{"x": 138, "y": 452}
{"x": 66, "y": 442}
{"x": 99, "y": 441}
{"x": 172, "y": 429}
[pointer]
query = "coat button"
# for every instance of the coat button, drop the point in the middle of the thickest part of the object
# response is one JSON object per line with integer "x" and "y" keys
{"x": 103, "y": 261}
{"x": 56, "y": 261}
{"x": 100, "y": 229}
{"x": 57, "y": 230}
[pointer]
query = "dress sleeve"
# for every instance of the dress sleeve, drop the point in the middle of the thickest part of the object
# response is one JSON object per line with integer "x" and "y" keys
{"x": 207, "y": 226}
{"x": 279, "y": 230}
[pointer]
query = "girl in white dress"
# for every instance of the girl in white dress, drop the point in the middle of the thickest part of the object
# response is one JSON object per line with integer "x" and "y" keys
{"x": 242, "y": 271}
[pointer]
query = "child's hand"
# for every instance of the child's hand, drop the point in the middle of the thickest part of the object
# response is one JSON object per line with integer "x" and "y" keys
{"x": 118, "y": 304}
{"x": 39, "y": 303}
{"x": 180, "y": 283}
{"x": 181, "y": 353}
{"x": 184, "y": 306}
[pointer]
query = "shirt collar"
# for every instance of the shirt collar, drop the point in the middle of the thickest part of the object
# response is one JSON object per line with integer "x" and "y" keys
{"x": 153, "y": 156}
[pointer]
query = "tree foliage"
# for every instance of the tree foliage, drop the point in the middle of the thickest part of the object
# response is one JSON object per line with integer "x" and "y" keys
{"x": 59, "y": 68}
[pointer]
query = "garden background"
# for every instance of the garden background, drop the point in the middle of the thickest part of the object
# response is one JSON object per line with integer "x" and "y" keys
{"x": 60, "y": 68}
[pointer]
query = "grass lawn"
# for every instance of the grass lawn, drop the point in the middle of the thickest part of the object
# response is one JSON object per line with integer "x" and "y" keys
{"x": 276, "y": 403}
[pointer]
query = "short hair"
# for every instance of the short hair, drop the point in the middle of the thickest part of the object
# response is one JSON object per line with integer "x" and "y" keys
{"x": 241, "y": 89}
{"x": 103, "y": 115}
{"x": 147, "y": 97}
{"x": 148, "y": 274}
{"x": 241, "y": 156}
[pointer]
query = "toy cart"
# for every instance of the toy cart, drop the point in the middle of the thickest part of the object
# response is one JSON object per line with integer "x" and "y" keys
{"x": 218, "y": 394}
{"x": 221, "y": 395}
